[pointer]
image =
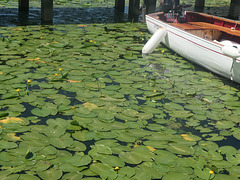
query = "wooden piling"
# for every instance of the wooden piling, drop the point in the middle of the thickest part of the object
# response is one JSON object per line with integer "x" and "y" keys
{"x": 143, "y": 12}
{"x": 23, "y": 6}
{"x": 150, "y": 6}
{"x": 234, "y": 11}
{"x": 199, "y": 5}
{"x": 120, "y": 5}
{"x": 133, "y": 8}
{"x": 47, "y": 11}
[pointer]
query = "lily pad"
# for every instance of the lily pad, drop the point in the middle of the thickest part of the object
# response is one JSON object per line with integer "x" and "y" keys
{"x": 41, "y": 112}
{"x": 131, "y": 157}
{"x": 180, "y": 149}
{"x": 52, "y": 173}
{"x": 179, "y": 176}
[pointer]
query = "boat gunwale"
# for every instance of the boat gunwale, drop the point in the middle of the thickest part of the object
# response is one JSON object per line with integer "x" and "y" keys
{"x": 185, "y": 32}
{"x": 199, "y": 25}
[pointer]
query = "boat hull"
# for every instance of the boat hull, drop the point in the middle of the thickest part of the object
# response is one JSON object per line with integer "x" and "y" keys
{"x": 203, "y": 52}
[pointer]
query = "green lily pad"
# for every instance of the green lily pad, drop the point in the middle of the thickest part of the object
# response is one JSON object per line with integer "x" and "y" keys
{"x": 181, "y": 149}
{"x": 78, "y": 160}
{"x": 111, "y": 160}
{"x": 165, "y": 157}
{"x": 41, "y": 112}
{"x": 225, "y": 177}
{"x": 229, "y": 150}
{"x": 224, "y": 124}
{"x": 29, "y": 98}
{"x": 131, "y": 157}
{"x": 202, "y": 173}
{"x": 126, "y": 171}
{"x": 7, "y": 145}
{"x": 100, "y": 148}
{"x": 52, "y": 173}
{"x": 72, "y": 176}
{"x": 179, "y": 176}
{"x": 62, "y": 141}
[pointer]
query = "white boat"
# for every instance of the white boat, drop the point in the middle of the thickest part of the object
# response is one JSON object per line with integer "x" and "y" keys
{"x": 209, "y": 41}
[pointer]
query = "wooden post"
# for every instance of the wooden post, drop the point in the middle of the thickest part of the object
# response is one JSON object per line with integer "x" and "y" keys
{"x": 150, "y": 6}
{"x": 47, "y": 11}
{"x": 234, "y": 11}
{"x": 23, "y": 6}
{"x": 120, "y": 5}
{"x": 23, "y": 12}
{"x": 133, "y": 8}
{"x": 143, "y": 12}
{"x": 199, "y": 4}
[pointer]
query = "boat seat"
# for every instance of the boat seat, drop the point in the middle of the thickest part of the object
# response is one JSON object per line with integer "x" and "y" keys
{"x": 205, "y": 25}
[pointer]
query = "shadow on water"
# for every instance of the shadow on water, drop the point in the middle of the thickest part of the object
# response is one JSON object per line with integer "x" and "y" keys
{"x": 10, "y": 16}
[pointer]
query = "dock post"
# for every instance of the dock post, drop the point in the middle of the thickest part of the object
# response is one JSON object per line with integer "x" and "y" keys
{"x": 23, "y": 6}
{"x": 150, "y": 6}
{"x": 199, "y": 5}
{"x": 23, "y": 11}
{"x": 120, "y": 5}
{"x": 143, "y": 12}
{"x": 134, "y": 7}
{"x": 47, "y": 11}
{"x": 234, "y": 11}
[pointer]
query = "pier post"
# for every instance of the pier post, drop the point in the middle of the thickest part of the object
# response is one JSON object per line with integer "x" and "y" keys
{"x": 134, "y": 7}
{"x": 234, "y": 11}
{"x": 199, "y": 5}
{"x": 47, "y": 11}
{"x": 23, "y": 6}
{"x": 120, "y": 5}
{"x": 23, "y": 11}
{"x": 143, "y": 12}
{"x": 150, "y": 6}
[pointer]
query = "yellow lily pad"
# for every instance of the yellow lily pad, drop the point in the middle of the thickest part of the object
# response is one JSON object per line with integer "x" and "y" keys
{"x": 11, "y": 120}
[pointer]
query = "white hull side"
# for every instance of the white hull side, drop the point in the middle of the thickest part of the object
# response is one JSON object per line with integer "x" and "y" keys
{"x": 198, "y": 50}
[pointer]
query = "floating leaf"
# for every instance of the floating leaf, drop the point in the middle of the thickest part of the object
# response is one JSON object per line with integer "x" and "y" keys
{"x": 202, "y": 173}
{"x": 41, "y": 112}
{"x": 180, "y": 149}
{"x": 62, "y": 141}
{"x": 111, "y": 160}
{"x": 229, "y": 150}
{"x": 78, "y": 160}
{"x": 29, "y": 98}
{"x": 100, "y": 148}
{"x": 52, "y": 173}
{"x": 165, "y": 157}
{"x": 11, "y": 120}
{"x": 190, "y": 137}
{"x": 72, "y": 176}
{"x": 179, "y": 176}
{"x": 130, "y": 157}
{"x": 7, "y": 145}
{"x": 90, "y": 106}
{"x": 224, "y": 124}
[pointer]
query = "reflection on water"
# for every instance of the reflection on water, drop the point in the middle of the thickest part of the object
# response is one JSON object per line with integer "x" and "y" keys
{"x": 9, "y": 17}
